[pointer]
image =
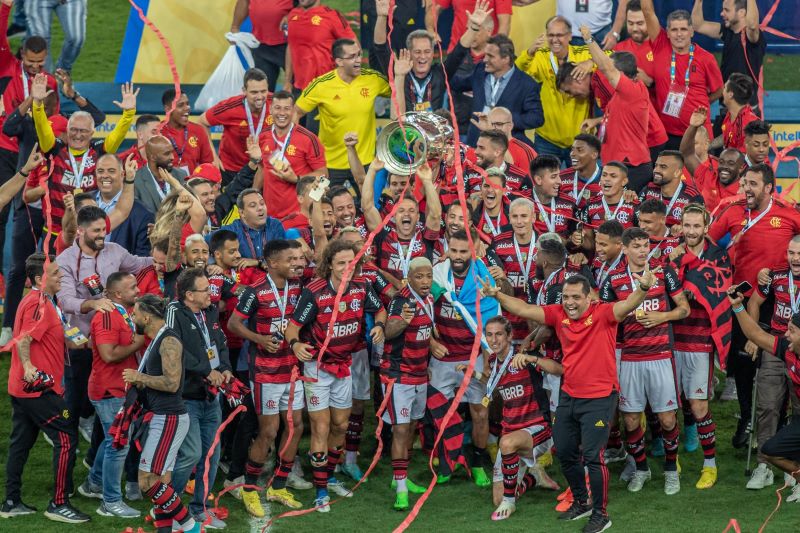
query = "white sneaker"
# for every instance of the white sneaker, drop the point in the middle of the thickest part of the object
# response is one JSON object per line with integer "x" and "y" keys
{"x": 85, "y": 427}
{"x": 788, "y": 480}
{"x": 294, "y": 481}
{"x": 795, "y": 495}
{"x": 638, "y": 480}
{"x": 614, "y": 455}
{"x": 729, "y": 394}
{"x": 338, "y": 488}
{"x": 321, "y": 504}
{"x": 237, "y": 492}
{"x": 762, "y": 477}
{"x": 672, "y": 483}
{"x": 6, "y": 334}
{"x": 297, "y": 468}
{"x": 630, "y": 468}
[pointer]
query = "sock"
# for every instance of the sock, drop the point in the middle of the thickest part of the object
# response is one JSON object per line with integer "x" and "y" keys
{"x": 350, "y": 457}
{"x": 688, "y": 417}
{"x": 251, "y": 472}
{"x": 653, "y": 423}
{"x": 334, "y": 454}
{"x": 282, "y": 472}
{"x": 635, "y": 446}
{"x": 510, "y": 468}
{"x": 614, "y": 438}
{"x": 352, "y": 438}
{"x": 528, "y": 482}
{"x": 319, "y": 467}
{"x": 168, "y": 506}
{"x": 400, "y": 471}
{"x": 706, "y": 431}
{"x": 478, "y": 457}
{"x": 671, "y": 437}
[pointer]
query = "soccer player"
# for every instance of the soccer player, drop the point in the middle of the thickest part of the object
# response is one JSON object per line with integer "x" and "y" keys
{"x": 554, "y": 213}
{"x": 490, "y": 152}
{"x": 646, "y": 373}
{"x": 587, "y": 332}
{"x": 147, "y": 127}
{"x": 240, "y": 116}
{"x": 736, "y": 95}
{"x": 652, "y": 215}
{"x": 668, "y": 187}
{"x": 261, "y": 317}
{"x": 693, "y": 344}
{"x": 612, "y": 202}
{"x": 330, "y": 398}
{"x": 190, "y": 142}
{"x": 526, "y": 431}
{"x": 581, "y": 181}
{"x": 405, "y": 363}
{"x": 756, "y": 142}
{"x": 608, "y": 250}
{"x": 160, "y": 378}
{"x": 344, "y": 209}
{"x": 490, "y": 215}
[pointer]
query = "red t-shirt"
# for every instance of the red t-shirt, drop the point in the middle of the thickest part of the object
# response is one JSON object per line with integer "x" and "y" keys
{"x": 763, "y": 245}
{"x": 311, "y": 35}
{"x": 48, "y": 348}
{"x": 230, "y": 114}
{"x": 521, "y": 154}
{"x": 704, "y": 78}
{"x": 603, "y": 91}
{"x": 645, "y": 58}
{"x": 733, "y": 130}
{"x": 296, "y": 220}
{"x": 588, "y": 347}
{"x": 137, "y": 156}
{"x": 706, "y": 180}
{"x": 305, "y": 154}
{"x": 191, "y": 145}
{"x": 266, "y": 16}
{"x": 460, "y": 8}
{"x": 626, "y": 118}
{"x": 105, "y": 381}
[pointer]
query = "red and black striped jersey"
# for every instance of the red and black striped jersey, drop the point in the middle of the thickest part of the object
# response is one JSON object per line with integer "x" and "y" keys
{"x": 595, "y": 211}
{"x": 315, "y": 309}
{"x": 640, "y": 343}
{"x": 521, "y": 392}
{"x": 381, "y": 286}
{"x": 505, "y": 247}
{"x": 577, "y": 189}
{"x": 602, "y": 269}
{"x": 392, "y": 254}
{"x": 660, "y": 248}
{"x": 260, "y": 308}
{"x": 488, "y": 225}
{"x": 782, "y": 350}
{"x": 559, "y": 215}
{"x": 405, "y": 357}
{"x": 779, "y": 285}
{"x": 224, "y": 288}
{"x": 453, "y": 332}
{"x": 149, "y": 283}
{"x": 518, "y": 183}
{"x": 686, "y": 194}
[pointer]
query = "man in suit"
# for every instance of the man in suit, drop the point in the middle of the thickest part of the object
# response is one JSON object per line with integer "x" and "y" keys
{"x": 497, "y": 82}
{"x": 150, "y": 186}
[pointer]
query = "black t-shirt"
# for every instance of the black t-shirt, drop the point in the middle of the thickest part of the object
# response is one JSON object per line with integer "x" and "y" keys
{"x": 734, "y": 60}
{"x": 156, "y": 401}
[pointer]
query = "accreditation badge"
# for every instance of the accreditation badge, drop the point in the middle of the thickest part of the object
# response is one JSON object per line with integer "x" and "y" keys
{"x": 213, "y": 356}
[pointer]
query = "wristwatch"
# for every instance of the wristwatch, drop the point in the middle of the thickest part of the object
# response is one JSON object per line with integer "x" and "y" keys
{"x": 616, "y": 35}
{"x": 380, "y": 324}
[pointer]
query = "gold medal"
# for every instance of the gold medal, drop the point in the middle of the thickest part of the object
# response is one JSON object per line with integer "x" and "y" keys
{"x": 485, "y": 401}
{"x": 640, "y": 313}
{"x": 77, "y": 190}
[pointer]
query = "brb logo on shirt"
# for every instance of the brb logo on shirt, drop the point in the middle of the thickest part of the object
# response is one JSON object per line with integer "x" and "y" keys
{"x": 510, "y": 393}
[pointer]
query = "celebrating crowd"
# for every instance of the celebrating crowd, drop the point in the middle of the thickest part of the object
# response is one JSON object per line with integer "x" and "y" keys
{"x": 571, "y": 270}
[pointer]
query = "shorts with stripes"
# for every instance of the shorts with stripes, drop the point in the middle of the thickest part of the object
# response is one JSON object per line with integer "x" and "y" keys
{"x": 643, "y": 382}
{"x": 406, "y": 404}
{"x": 162, "y": 437}
{"x": 542, "y": 441}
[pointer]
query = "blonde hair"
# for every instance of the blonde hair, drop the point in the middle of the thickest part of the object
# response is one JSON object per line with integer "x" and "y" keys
{"x": 166, "y": 217}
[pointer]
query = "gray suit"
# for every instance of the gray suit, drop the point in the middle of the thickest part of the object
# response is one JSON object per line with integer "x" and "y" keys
{"x": 145, "y": 188}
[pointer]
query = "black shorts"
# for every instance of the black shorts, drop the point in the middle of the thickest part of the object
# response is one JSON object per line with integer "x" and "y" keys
{"x": 785, "y": 443}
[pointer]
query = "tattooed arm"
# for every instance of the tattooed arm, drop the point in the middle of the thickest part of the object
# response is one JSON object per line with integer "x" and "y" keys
{"x": 171, "y": 351}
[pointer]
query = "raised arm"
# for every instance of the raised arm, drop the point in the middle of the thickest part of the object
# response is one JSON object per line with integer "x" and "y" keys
{"x": 612, "y": 38}
{"x": 696, "y": 120}
{"x": 624, "y": 307}
{"x": 750, "y": 327}
{"x": 603, "y": 62}
{"x": 751, "y": 21}
{"x": 700, "y": 24}
{"x": 433, "y": 207}
{"x": 651, "y": 19}
{"x": 44, "y": 131}
{"x": 513, "y": 305}
{"x": 240, "y": 11}
{"x": 371, "y": 214}
{"x": 128, "y": 106}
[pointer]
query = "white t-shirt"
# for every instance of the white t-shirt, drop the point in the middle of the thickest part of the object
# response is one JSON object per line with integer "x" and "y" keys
{"x": 597, "y": 17}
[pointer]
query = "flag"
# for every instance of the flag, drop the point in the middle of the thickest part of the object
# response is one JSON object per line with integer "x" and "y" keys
{"x": 708, "y": 278}
{"x": 449, "y": 449}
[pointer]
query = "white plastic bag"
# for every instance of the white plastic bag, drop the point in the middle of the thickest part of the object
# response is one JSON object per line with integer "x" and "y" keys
{"x": 227, "y": 78}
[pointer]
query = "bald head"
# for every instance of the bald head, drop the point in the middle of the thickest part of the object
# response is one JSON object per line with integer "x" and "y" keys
{"x": 500, "y": 118}
{"x": 159, "y": 152}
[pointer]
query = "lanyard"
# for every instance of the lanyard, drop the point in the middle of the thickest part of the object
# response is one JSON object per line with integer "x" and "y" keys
{"x": 201, "y": 323}
{"x": 77, "y": 172}
{"x": 281, "y": 303}
{"x": 282, "y": 145}
{"x": 656, "y": 247}
{"x": 608, "y": 214}
{"x": 419, "y": 90}
{"x": 548, "y": 221}
{"x": 150, "y": 347}
{"x": 634, "y": 284}
{"x": 554, "y": 63}
{"x": 674, "y": 198}
{"x": 175, "y": 145}
{"x": 162, "y": 192}
{"x": 795, "y": 301}
{"x": 751, "y": 222}
{"x": 25, "y": 90}
{"x": 255, "y": 253}
{"x": 495, "y": 84}
{"x": 688, "y": 66}
{"x": 80, "y": 259}
{"x": 524, "y": 266}
{"x": 603, "y": 274}
{"x": 253, "y": 131}
{"x": 126, "y": 316}
{"x": 494, "y": 229}
{"x": 60, "y": 313}
{"x": 545, "y": 286}
{"x": 589, "y": 182}
{"x": 497, "y": 374}
{"x": 405, "y": 259}
{"x": 427, "y": 304}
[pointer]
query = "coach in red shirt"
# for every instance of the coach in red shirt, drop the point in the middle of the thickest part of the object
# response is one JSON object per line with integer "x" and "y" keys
{"x": 267, "y": 17}
{"x": 289, "y": 152}
{"x": 686, "y": 76}
{"x": 587, "y": 332}
{"x": 190, "y": 143}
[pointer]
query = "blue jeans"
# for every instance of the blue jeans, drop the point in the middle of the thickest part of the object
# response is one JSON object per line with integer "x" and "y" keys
{"x": 108, "y": 463}
{"x": 543, "y": 146}
{"x": 204, "y": 420}
{"x": 71, "y": 14}
{"x": 19, "y": 14}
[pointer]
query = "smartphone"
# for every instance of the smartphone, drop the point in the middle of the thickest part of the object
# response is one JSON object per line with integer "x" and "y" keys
{"x": 743, "y": 288}
{"x": 319, "y": 190}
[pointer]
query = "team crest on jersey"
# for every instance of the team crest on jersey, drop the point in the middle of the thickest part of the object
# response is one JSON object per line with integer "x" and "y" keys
{"x": 291, "y": 150}
{"x": 588, "y": 321}
{"x": 293, "y": 299}
{"x": 192, "y": 141}
{"x": 775, "y": 222}
{"x": 649, "y": 56}
{"x": 677, "y": 212}
{"x": 365, "y": 92}
{"x": 214, "y": 290}
{"x": 623, "y": 217}
{"x": 355, "y": 305}
{"x": 512, "y": 369}
{"x": 315, "y": 20}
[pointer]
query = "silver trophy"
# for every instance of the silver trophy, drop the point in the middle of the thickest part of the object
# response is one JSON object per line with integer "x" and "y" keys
{"x": 422, "y": 137}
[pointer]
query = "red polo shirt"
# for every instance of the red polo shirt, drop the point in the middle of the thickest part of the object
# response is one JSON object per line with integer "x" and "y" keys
{"x": 191, "y": 145}
{"x": 266, "y": 16}
{"x": 733, "y": 130}
{"x": 603, "y": 91}
{"x": 626, "y": 119}
{"x": 230, "y": 114}
{"x": 105, "y": 381}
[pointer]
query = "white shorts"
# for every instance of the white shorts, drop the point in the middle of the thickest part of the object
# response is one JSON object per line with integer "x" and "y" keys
{"x": 163, "y": 438}
{"x": 273, "y": 398}
{"x": 529, "y": 460}
{"x": 552, "y": 383}
{"x": 359, "y": 370}
{"x": 406, "y": 404}
{"x": 328, "y": 390}
{"x": 618, "y": 356}
{"x": 695, "y": 374}
{"x": 446, "y": 379}
{"x": 643, "y": 382}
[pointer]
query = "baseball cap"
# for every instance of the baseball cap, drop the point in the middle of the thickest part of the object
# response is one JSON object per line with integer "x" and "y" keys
{"x": 207, "y": 171}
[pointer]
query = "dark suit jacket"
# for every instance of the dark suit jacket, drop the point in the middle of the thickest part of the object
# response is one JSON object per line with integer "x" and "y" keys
{"x": 520, "y": 96}
{"x": 132, "y": 233}
{"x": 145, "y": 190}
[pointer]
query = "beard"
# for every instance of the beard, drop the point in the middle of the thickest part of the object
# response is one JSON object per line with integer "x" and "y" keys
{"x": 95, "y": 244}
{"x": 539, "y": 272}
{"x": 139, "y": 329}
